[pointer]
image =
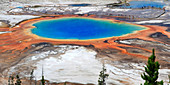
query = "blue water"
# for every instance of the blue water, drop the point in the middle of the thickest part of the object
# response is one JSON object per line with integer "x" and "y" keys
{"x": 140, "y": 4}
{"x": 79, "y": 4}
{"x": 19, "y": 7}
{"x": 82, "y": 28}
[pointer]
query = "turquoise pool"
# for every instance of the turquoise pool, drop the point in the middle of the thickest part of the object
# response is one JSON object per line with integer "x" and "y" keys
{"x": 82, "y": 28}
{"x": 140, "y": 4}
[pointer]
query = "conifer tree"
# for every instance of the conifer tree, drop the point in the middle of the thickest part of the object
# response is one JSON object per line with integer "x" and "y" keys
{"x": 169, "y": 78}
{"x": 12, "y": 80}
{"x": 9, "y": 80}
{"x": 65, "y": 83}
{"x": 42, "y": 80}
{"x": 102, "y": 76}
{"x": 18, "y": 81}
{"x": 151, "y": 71}
{"x": 35, "y": 81}
{"x": 31, "y": 77}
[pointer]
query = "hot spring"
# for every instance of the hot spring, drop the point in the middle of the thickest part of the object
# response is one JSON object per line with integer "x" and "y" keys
{"x": 82, "y": 28}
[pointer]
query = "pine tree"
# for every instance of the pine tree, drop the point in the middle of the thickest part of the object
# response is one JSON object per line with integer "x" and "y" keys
{"x": 42, "y": 80}
{"x": 169, "y": 78}
{"x": 102, "y": 76}
{"x": 18, "y": 81}
{"x": 9, "y": 80}
{"x": 31, "y": 77}
{"x": 12, "y": 80}
{"x": 65, "y": 83}
{"x": 35, "y": 81}
{"x": 151, "y": 71}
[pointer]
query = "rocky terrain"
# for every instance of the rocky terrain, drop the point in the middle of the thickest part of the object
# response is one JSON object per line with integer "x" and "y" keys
{"x": 81, "y": 62}
{"x": 78, "y": 64}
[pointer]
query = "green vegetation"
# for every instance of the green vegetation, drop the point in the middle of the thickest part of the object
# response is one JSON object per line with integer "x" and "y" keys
{"x": 18, "y": 81}
{"x": 150, "y": 75}
{"x": 12, "y": 80}
{"x": 9, "y": 80}
{"x": 151, "y": 71}
{"x": 169, "y": 78}
{"x": 42, "y": 80}
{"x": 31, "y": 77}
{"x": 64, "y": 83}
{"x": 102, "y": 76}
